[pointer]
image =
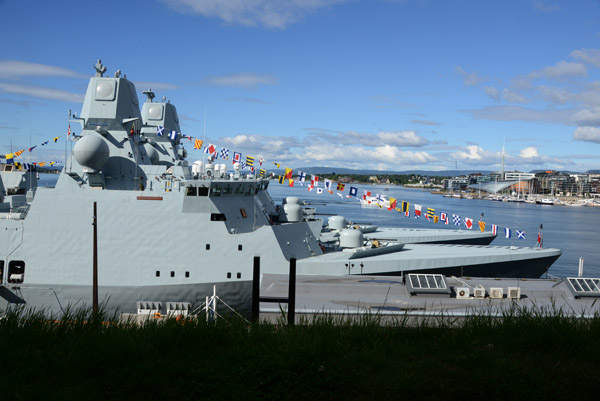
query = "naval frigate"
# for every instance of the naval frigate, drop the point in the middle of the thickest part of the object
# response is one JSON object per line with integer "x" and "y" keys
{"x": 168, "y": 231}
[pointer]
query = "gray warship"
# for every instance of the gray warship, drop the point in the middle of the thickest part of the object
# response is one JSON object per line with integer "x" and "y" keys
{"x": 168, "y": 231}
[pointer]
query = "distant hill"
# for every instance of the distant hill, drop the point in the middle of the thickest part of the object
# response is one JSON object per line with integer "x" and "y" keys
{"x": 345, "y": 171}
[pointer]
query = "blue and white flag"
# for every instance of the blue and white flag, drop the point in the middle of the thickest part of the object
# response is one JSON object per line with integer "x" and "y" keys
{"x": 520, "y": 234}
{"x": 456, "y": 219}
{"x": 224, "y": 153}
{"x": 301, "y": 177}
{"x": 507, "y": 232}
{"x": 353, "y": 191}
{"x": 173, "y": 135}
{"x": 160, "y": 130}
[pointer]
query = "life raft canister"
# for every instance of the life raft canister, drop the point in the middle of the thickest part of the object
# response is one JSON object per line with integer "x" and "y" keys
{"x": 243, "y": 212}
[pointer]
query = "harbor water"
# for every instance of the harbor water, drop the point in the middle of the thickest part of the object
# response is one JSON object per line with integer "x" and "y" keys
{"x": 574, "y": 230}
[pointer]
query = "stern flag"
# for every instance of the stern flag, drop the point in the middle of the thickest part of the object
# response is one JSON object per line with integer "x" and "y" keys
{"x": 160, "y": 130}
{"x": 507, "y": 232}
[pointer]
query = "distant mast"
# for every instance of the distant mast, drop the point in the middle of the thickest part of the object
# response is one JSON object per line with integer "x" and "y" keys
{"x": 503, "y": 143}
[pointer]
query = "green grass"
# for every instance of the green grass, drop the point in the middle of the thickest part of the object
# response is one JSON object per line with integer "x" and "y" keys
{"x": 524, "y": 355}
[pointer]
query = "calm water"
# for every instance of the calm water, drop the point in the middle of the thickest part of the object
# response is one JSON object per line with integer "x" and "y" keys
{"x": 574, "y": 230}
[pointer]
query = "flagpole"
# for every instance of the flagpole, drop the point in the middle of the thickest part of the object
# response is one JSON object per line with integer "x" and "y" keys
{"x": 204, "y": 136}
{"x": 68, "y": 139}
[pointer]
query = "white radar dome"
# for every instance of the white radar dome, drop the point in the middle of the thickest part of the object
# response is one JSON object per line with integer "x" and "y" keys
{"x": 91, "y": 151}
{"x": 351, "y": 238}
{"x": 336, "y": 222}
{"x": 293, "y": 213}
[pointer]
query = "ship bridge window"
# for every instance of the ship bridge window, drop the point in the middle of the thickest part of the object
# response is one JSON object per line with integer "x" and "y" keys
{"x": 239, "y": 189}
{"x": 16, "y": 271}
{"x": 227, "y": 189}
{"x": 217, "y": 217}
{"x": 191, "y": 191}
{"x": 215, "y": 191}
{"x": 202, "y": 191}
{"x": 250, "y": 190}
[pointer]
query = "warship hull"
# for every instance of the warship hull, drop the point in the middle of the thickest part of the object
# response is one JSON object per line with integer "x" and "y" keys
{"x": 165, "y": 232}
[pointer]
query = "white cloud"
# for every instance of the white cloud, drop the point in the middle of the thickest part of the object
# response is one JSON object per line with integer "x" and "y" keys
{"x": 519, "y": 113}
{"x": 492, "y": 92}
{"x": 399, "y": 138}
{"x": 241, "y": 80}
{"x": 587, "y": 134}
{"x": 588, "y": 56}
{"x": 41, "y": 92}
{"x": 424, "y": 122}
{"x": 473, "y": 152}
{"x": 560, "y": 69}
{"x": 513, "y": 97}
{"x": 529, "y": 153}
{"x": 555, "y": 95}
{"x": 15, "y": 69}
{"x": 267, "y": 13}
{"x": 587, "y": 117}
{"x": 470, "y": 78}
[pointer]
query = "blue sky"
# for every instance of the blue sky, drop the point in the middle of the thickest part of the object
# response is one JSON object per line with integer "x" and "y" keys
{"x": 391, "y": 85}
